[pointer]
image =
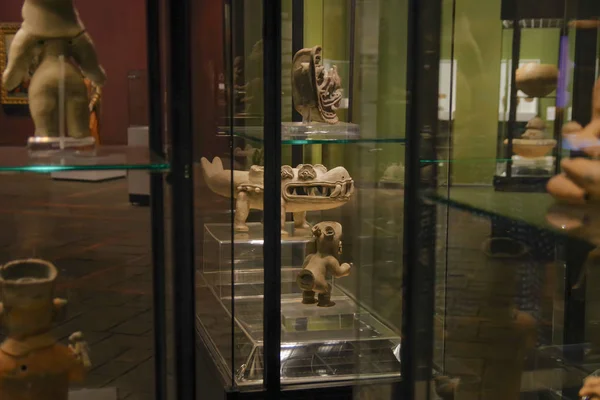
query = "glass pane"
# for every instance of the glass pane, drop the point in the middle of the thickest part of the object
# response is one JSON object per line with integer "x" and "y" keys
{"x": 515, "y": 314}
{"x": 76, "y": 281}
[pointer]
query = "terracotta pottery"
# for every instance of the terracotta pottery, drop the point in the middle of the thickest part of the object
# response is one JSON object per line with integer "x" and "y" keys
{"x": 532, "y": 148}
{"x": 33, "y": 366}
{"x": 536, "y": 123}
{"x": 537, "y": 80}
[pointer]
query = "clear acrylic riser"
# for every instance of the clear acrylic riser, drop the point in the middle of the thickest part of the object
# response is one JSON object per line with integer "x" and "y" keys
{"x": 521, "y": 166}
{"x": 342, "y": 342}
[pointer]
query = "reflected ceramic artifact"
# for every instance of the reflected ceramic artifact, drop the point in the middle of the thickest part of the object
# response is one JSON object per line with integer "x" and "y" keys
{"x": 322, "y": 263}
{"x": 33, "y": 366}
{"x": 580, "y": 181}
{"x": 317, "y": 92}
{"x": 537, "y": 80}
{"x": 533, "y": 143}
{"x": 304, "y": 188}
{"x": 53, "y": 30}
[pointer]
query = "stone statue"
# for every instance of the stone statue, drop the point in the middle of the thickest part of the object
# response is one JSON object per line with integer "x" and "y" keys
{"x": 52, "y": 30}
{"x": 322, "y": 263}
{"x": 33, "y": 365}
{"x": 316, "y": 92}
{"x": 304, "y": 188}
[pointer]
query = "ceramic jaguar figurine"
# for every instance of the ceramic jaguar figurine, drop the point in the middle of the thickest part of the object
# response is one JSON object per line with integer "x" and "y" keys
{"x": 304, "y": 188}
{"x": 322, "y": 263}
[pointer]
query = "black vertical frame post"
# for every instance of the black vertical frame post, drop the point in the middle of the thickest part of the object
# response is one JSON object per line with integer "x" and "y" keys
{"x": 352, "y": 58}
{"x": 512, "y": 113}
{"x": 420, "y": 218}
{"x": 157, "y": 205}
{"x": 297, "y": 44}
{"x": 272, "y": 195}
{"x": 180, "y": 107}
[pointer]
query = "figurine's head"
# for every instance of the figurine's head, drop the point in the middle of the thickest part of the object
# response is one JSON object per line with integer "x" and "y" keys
{"x": 314, "y": 185}
{"x": 328, "y": 237}
{"x": 27, "y": 288}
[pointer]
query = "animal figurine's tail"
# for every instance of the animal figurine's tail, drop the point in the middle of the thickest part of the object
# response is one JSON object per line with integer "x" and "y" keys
{"x": 306, "y": 280}
{"x": 211, "y": 169}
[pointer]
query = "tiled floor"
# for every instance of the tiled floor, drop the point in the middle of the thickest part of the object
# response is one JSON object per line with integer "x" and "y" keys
{"x": 101, "y": 246}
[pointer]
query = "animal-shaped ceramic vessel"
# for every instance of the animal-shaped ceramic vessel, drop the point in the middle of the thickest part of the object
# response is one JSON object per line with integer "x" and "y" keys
{"x": 53, "y": 33}
{"x": 304, "y": 188}
{"x": 33, "y": 366}
{"x": 322, "y": 263}
{"x": 316, "y": 91}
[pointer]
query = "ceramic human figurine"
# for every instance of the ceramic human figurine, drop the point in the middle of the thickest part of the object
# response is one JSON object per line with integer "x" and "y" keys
{"x": 304, "y": 188}
{"x": 537, "y": 80}
{"x": 33, "y": 366}
{"x": 322, "y": 263}
{"x": 316, "y": 91}
{"x": 580, "y": 181}
{"x": 95, "y": 96}
{"x": 53, "y": 31}
{"x": 533, "y": 143}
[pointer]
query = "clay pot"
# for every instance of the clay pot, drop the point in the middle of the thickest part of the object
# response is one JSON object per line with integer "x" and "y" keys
{"x": 532, "y": 148}
{"x": 537, "y": 80}
{"x": 536, "y": 123}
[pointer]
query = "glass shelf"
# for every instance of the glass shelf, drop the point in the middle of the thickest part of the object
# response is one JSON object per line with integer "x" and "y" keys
{"x": 256, "y": 134}
{"x": 20, "y": 159}
{"x": 539, "y": 210}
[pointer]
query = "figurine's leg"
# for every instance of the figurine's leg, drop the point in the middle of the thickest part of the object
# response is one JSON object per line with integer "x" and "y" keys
{"x": 242, "y": 209}
{"x": 283, "y": 231}
{"x": 77, "y": 108}
{"x": 85, "y": 55}
{"x": 43, "y": 106}
{"x": 19, "y": 59}
{"x": 308, "y": 297}
{"x": 325, "y": 299}
{"x": 300, "y": 220}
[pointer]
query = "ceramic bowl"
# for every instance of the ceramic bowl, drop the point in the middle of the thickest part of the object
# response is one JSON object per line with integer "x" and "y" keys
{"x": 537, "y": 80}
{"x": 532, "y": 148}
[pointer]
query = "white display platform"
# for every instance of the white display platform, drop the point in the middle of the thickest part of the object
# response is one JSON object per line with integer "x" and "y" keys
{"x": 94, "y": 394}
{"x": 88, "y": 176}
{"x": 138, "y": 182}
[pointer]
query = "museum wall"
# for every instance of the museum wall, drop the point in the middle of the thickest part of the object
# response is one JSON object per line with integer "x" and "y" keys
{"x": 118, "y": 29}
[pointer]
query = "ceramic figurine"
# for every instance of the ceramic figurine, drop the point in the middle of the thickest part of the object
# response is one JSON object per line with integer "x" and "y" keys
{"x": 580, "y": 181}
{"x": 316, "y": 92}
{"x": 322, "y": 263}
{"x": 53, "y": 31}
{"x": 33, "y": 366}
{"x": 533, "y": 143}
{"x": 537, "y": 80}
{"x": 304, "y": 188}
{"x": 95, "y": 96}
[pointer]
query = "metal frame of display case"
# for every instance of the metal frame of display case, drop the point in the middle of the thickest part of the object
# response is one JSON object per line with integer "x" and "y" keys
{"x": 418, "y": 276}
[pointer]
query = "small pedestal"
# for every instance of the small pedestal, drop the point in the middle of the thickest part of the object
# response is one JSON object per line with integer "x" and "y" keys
{"x": 44, "y": 146}
{"x": 290, "y": 130}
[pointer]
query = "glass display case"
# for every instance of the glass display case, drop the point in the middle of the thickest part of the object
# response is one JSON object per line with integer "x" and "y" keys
{"x": 74, "y": 253}
{"x": 335, "y": 237}
{"x": 357, "y": 215}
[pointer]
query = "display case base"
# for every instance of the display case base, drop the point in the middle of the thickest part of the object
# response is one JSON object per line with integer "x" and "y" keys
{"x": 296, "y": 129}
{"x": 94, "y": 394}
{"x": 522, "y": 184}
{"x": 43, "y": 145}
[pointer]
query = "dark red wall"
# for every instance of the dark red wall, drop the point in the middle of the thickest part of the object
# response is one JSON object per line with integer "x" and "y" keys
{"x": 118, "y": 27}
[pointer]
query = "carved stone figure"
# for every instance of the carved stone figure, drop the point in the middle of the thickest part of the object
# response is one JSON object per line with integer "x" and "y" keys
{"x": 537, "y": 80}
{"x": 533, "y": 143}
{"x": 33, "y": 365}
{"x": 304, "y": 188}
{"x": 322, "y": 263}
{"x": 317, "y": 92}
{"x": 53, "y": 30}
